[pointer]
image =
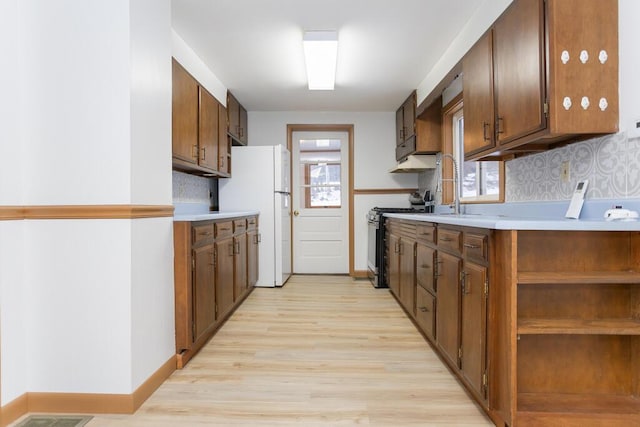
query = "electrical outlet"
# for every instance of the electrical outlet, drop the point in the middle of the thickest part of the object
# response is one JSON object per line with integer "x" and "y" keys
{"x": 634, "y": 129}
{"x": 564, "y": 171}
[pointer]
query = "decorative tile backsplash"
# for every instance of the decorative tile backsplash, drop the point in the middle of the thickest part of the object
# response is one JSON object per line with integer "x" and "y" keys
{"x": 190, "y": 188}
{"x": 610, "y": 163}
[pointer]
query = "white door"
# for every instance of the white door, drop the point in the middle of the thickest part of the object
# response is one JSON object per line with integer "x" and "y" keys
{"x": 320, "y": 202}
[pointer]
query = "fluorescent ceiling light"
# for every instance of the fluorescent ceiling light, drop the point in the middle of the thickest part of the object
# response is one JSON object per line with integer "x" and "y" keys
{"x": 321, "y": 55}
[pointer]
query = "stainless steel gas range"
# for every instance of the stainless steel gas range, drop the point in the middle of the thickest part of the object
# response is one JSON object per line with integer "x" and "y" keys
{"x": 376, "y": 258}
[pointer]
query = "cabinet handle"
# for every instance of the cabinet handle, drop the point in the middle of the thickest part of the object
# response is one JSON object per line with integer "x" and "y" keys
{"x": 241, "y": 132}
{"x": 396, "y": 248}
{"x": 425, "y": 266}
{"x": 485, "y": 126}
{"x": 204, "y": 153}
{"x": 236, "y": 249}
{"x": 194, "y": 151}
{"x": 471, "y": 246}
{"x": 402, "y": 134}
{"x": 424, "y": 309}
{"x": 499, "y": 127}
{"x": 446, "y": 239}
{"x": 221, "y": 161}
{"x": 231, "y": 249}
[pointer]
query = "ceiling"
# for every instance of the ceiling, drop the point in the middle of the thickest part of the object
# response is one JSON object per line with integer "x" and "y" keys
{"x": 386, "y": 47}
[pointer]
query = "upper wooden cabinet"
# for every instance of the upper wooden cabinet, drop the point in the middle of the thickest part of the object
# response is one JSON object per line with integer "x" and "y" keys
{"x": 421, "y": 134}
{"x": 184, "y": 123}
{"x": 237, "y": 120}
{"x": 196, "y": 115}
{"x": 546, "y": 72}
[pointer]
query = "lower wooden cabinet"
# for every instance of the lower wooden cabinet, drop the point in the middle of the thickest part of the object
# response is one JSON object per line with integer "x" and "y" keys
{"x": 212, "y": 265}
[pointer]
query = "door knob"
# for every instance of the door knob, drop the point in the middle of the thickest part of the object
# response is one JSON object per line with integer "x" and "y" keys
{"x": 296, "y": 212}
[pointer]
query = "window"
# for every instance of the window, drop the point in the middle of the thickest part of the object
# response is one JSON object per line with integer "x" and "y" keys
{"x": 322, "y": 173}
{"x": 478, "y": 181}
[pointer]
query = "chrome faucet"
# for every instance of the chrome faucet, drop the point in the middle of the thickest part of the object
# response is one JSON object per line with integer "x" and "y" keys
{"x": 456, "y": 190}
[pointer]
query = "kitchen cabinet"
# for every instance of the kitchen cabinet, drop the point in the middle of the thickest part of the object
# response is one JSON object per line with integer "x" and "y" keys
{"x": 239, "y": 258}
{"x": 426, "y": 271}
{"x": 184, "y": 115}
{"x": 448, "y": 310}
{"x": 449, "y": 297}
{"x": 572, "y": 358}
{"x": 224, "y": 145}
{"x": 237, "y": 120}
{"x": 196, "y": 123}
{"x": 253, "y": 242}
{"x": 225, "y": 254}
{"x": 402, "y": 263}
{"x": 211, "y": 269}
{"x": 541, "y": 327}
{"x": 418, "y": 134}
{"x": 204, "y": 297}
{"x": 546, "y": 72}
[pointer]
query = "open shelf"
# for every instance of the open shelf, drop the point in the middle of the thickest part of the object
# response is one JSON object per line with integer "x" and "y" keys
{"x": 579, "y": 326}
{"x": 575, "y": 404}
{"x": 570, "y": 277}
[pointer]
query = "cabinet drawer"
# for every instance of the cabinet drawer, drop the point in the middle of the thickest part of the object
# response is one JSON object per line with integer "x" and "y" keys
{"x": 252, "y": 223}
{"x": 239, "y": 226}
{"x": 224, "y": 229}
{"x": 425, "y": 266}
{"x": 201, "y": 232}
{"x": 426, "y": 233}
{"x": 475, "y": 246}
{"x": 426, "y": 312}
{"x": 449, "y": 239}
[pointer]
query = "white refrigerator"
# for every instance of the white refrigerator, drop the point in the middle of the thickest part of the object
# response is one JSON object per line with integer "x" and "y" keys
{"x": 259, "y": 180}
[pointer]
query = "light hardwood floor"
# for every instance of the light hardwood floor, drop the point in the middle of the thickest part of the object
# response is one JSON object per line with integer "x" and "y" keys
{"x": 321, "y": 351}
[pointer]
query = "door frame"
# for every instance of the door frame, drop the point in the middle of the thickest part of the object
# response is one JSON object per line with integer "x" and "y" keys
{"x": 329, "y": 128}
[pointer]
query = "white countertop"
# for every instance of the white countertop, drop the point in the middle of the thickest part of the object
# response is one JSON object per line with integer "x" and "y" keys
{"x": 500, "y": 222}
{"x": 213, "y": 215}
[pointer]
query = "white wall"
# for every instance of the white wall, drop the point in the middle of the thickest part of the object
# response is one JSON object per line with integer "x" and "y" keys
{"x": 190, "y": 60}
{"x": 79, "y": 306}
{"x": 629, "y": 34}
{"x": 481, "y": 20}
{"x": 75, "y": 100}
{"x": 150, "y": 100}
{"x": 152, "y": 324}
{"x": 93, "y": 127}
{"x": 13, "y": 367}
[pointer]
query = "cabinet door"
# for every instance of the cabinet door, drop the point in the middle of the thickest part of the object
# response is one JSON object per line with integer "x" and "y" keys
{"x": 239, "y": 266}
{"x": 394, "y": 264}
{"x": 233, "y": 114}
{"x": 399, "y": 126}
{"x": 407, "y": 275}
{"x": 184, "y": 114}
{"x": 224, "y": 275}
{"x": 208, "y": 127}
{"x": 474, "y": 327}
{"x": 409, "y": 117}
{"x": 243, "y": 122}
{"x": 425, "y": 267}
{"x": 204, "y": 297}
{"x": 448, "y": 306}
{"x": 478, "y": 96}
{"x": 426, "y": 312}
{"x": 224, "y": 149}
{"x": 253, "y": 262}
{"x": 519, "y": 70}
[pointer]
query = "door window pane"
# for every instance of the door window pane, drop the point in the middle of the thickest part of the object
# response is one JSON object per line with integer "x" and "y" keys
{"x": 320, "y": 162}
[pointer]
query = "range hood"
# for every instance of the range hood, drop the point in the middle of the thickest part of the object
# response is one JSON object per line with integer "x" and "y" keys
{"x": 415, "y": 163}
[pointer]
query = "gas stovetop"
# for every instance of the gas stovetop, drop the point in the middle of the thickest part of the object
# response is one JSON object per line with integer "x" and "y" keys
{"x": 418, "y": 208}
{"x": 375, "y": 213}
